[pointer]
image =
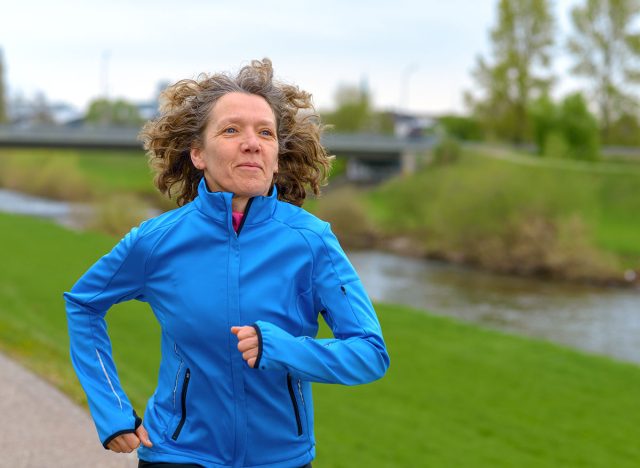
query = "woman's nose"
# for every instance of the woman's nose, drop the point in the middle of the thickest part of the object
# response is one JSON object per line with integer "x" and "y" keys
{"x": 251, "y": 144}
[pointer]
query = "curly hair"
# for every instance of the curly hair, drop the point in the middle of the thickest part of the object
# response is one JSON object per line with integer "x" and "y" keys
{"x": 302, "y": 161}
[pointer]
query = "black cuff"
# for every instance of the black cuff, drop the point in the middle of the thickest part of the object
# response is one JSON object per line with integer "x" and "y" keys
{"x": 113, "y": 436}
{"x": 136, "y": 425}
{"x": 259, "y": 333}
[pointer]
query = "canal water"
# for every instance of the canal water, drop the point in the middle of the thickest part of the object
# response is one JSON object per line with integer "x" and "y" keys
{"x": 595, "y": 319}
{"x": 598, "y": 320}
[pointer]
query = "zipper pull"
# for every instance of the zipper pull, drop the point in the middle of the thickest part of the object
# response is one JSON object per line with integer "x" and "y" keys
{"x": 187, "y": 375}
{"x": 300, "y": 391}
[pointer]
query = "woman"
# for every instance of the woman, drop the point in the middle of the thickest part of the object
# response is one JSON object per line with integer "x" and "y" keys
{"x": 236, "y": 277}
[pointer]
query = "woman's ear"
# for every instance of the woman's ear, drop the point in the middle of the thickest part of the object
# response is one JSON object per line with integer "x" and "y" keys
{"x": 196, "y": 158}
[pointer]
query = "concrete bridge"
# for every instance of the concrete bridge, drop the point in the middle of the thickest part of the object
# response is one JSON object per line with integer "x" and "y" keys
{"x": 369, "y": 157}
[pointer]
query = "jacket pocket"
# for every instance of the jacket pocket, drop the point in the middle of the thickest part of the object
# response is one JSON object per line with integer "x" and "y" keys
{"x": 294, "y": 402}
{"x": 183, "y": 399}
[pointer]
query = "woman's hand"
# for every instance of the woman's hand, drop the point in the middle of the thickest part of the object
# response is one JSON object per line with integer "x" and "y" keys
{"x": 127, "y": 443}
{"x": 247, "y": 343}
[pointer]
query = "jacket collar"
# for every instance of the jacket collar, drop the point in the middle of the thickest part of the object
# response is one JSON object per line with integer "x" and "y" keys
{"x": 217, "y": 205}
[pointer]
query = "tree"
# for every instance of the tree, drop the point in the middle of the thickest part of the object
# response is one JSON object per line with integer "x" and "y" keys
{"x": 521, "y": 43}
{"x": 119, "y": 112}
{"x": 461, "y": 127}
{"x": 606, "y": 48}
{"x": 567, "y": 130}
{"x": 580, "y": 128}
{"x": 353, "y": 108}
{"x": 625, "y": 131}
{"x": 354, "y": 112}
{"x": 3, "y": 91}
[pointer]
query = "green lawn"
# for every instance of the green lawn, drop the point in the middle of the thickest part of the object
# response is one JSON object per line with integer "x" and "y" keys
{"x": 455, "y": 396}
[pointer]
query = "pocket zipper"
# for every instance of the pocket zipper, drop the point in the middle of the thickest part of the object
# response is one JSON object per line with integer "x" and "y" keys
{"x": 183, "y": 417}
{"x": 294, "y": 402}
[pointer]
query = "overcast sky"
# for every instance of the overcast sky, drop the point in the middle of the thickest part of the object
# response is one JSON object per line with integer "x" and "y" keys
{"x": 415, "y": 54}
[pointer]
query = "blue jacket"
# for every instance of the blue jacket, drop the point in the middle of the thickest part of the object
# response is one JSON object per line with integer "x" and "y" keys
{"x": 281, "y": 270}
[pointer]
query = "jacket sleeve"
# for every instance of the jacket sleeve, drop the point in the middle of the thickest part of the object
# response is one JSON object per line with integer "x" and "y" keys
{"x": 116, "y": 277}
{"x": 357, "y": 354}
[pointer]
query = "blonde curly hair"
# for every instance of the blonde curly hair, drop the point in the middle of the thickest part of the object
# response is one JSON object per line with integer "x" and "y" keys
{"x": 302, "y": 161}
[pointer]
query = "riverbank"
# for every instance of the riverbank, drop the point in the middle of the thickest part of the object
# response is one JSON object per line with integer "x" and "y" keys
{"x": 455, "y": 395}
{"x": 506, "y": 213}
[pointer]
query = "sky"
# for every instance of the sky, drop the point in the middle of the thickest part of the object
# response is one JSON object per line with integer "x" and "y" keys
{"x": 414, "y": 55}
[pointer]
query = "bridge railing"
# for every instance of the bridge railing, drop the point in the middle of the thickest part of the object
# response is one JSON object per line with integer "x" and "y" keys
{"x": 126, "y": 137}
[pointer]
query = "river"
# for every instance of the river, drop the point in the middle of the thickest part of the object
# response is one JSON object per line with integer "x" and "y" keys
{"x": 595, "y": 319}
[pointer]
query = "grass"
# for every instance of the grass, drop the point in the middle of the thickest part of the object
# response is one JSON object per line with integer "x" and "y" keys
{"x": 455, "y": 395}
{"x": 506, "y": 213}
{"x": 103, "y": 171}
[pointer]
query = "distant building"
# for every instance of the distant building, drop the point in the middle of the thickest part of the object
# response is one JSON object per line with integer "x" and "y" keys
{"x": 413, "y": 125}
{"x": 38, "y": 111}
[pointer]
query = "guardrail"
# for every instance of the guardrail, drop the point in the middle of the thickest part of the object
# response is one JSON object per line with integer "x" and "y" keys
{"x": 126, "y": 138}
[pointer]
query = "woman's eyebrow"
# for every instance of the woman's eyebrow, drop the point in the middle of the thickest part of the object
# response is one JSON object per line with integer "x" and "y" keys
{"x": 239, "y": 119}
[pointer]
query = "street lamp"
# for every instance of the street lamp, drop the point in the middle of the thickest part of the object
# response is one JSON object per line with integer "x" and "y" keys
{"x": 404, "y": 85}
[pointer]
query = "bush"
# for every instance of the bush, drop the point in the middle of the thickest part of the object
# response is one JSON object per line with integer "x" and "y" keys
{"x": 45, "y": 175}
{"x": 447, "y": 151}
{"x": 344, "y": 209}
{"x": 117, "y": 214}
{"x": 461, "y": 127}
{"x": 565, "y": 130}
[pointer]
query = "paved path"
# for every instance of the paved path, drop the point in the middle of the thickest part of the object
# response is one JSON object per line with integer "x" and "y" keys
{"x": 40, "y": 427}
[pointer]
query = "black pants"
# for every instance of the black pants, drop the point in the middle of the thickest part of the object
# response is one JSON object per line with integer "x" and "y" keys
{"x": 145, "y": 464}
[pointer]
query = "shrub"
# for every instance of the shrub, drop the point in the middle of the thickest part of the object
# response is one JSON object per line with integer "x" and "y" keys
{"x": 344, "y": 209}
{"x": 117, "y": 214}
{"x": 45, "y": 175}
{"x": 447, "y": 151}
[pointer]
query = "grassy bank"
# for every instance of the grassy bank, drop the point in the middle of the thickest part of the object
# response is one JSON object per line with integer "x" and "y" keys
{"x": 519, "y": 214}
{"x": 75, "y": 174}
{"x": 455, "y": 395}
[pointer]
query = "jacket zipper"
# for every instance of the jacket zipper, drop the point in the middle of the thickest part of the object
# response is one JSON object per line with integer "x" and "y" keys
{"x": 183, "y": 417}
{"x": 294, "y": 402}
{"x": 300, "y": 392}
{"x": 175, "y": 386}
{"x": 244, "y": 216}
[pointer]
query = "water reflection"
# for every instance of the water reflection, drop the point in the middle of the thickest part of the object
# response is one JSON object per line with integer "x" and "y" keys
{"x": 72, "y": 215}
{"x": 599, "y": 320}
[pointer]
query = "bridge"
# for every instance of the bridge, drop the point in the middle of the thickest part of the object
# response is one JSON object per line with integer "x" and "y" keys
{"x": 369, "y": 157}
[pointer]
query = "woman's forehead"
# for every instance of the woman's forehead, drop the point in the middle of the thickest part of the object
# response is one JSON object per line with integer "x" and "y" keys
{"x": 241, "y": 106}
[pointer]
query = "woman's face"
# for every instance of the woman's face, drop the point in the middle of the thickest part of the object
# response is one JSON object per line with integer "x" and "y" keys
{"x": 239, "y": 152}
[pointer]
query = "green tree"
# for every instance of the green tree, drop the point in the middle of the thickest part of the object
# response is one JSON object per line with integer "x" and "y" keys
{"x": 565, "y": 130}
{"x": 353, "y": 109}
{"x": 518, "y": 70}
{"x": 545, "y": 120}
{"x": 606, "y": 48}
{"x": 119, "y": 112}
{"x": 625, "y": 131}
{"x": 461, "y": 127}
{"x": 580, "y": 128}
{"x": 3, "y": 92}
{"x": 354, "y": 112}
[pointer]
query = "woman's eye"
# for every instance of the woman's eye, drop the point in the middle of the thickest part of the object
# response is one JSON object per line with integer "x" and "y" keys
{"x": 266, "y": 132}
{"x": 230, "y": 130}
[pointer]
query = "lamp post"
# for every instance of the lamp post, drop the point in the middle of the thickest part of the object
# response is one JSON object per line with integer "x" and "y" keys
{"x": 404, "y": 85}
{"x": 105, "y": 73}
